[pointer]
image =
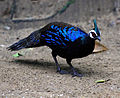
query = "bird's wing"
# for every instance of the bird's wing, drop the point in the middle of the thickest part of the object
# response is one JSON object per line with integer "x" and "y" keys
{"x": 61, "y": 34}
{"x": 69, "y": 32}
{"x": 73, "y": 33}
{"x": 53, "y": 38}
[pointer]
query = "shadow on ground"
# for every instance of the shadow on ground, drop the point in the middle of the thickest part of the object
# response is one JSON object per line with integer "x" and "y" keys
{"x": 42, "y": 65}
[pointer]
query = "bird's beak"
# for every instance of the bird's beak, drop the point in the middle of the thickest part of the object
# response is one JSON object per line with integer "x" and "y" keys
{"x": 98, "y": 38}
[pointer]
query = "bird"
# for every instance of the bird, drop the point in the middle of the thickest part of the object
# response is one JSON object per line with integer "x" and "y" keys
{"x": 65, "y": 40}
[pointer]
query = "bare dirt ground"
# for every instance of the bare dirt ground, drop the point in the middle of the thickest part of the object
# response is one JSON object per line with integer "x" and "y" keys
{"x": 34, "y": 74}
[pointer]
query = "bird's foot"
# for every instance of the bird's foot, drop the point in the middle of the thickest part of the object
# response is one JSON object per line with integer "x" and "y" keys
{"x": 75, "y": 73}
{"x": 62, "y": 71}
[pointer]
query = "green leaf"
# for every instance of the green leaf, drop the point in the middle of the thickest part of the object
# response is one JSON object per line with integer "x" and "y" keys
{"x": 17, "y": 55}
{"x": 100, "y": 81}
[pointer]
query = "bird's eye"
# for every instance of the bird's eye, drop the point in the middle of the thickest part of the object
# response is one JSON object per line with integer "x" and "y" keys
{"x": 93, "y": 34}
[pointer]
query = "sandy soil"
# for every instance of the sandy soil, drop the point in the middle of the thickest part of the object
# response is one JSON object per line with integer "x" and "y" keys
{"x": 34, "y": 74}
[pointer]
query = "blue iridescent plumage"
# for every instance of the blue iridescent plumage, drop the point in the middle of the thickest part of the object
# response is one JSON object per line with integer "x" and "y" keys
{"x": 65, "y": 40}
{"x": 70, "y": 34}
{"x": 62, "y": 36}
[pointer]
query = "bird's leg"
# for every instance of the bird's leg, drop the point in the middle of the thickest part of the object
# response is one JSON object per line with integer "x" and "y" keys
{"x": 74, "y": 72}
{"x": 58, "y": 67}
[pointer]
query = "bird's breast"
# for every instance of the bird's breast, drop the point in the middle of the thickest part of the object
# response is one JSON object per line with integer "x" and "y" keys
{"x": 80, "y": 49}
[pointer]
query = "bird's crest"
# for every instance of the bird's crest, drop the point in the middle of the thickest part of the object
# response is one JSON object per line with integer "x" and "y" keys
{"x": 96, "y": 28}
{"x": 95, "y": 33}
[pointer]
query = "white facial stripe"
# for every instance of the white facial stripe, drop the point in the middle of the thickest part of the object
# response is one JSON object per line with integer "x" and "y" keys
{"x": 90, "y": 34}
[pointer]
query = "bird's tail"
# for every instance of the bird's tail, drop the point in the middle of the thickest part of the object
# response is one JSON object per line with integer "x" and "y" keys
{"x": 33, "y": 40}
{"x": 18, "y": 45}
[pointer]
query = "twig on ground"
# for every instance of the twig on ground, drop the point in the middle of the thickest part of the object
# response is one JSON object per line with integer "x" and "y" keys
{"x": 33, "y": 19}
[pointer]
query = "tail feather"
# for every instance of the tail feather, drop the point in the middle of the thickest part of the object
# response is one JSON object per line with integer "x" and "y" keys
{"x": 33, "y": 40}
{"x": 18, "y": 45}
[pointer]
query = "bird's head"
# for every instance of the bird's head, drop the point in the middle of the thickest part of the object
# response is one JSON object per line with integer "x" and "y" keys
{"x": 95, "y": 33}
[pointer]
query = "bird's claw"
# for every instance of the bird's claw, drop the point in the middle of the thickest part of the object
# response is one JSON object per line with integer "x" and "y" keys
{"x": 62, "y": 71}
{"x": 75, "y": 73}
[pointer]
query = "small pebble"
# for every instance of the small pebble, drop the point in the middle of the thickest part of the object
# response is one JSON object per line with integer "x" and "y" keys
{"x": 7, "y": 27}
{"x": 118, "y": 88}
{"x": 27, "y": 89}
{"x": 26, "y": 92}
{"x": 2, "y": 45}
{"x": 61, "y": 95}
{"x": 118, "y": 21}
{"x": 3, "y": 94}
{"x": 12, "y": 94}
